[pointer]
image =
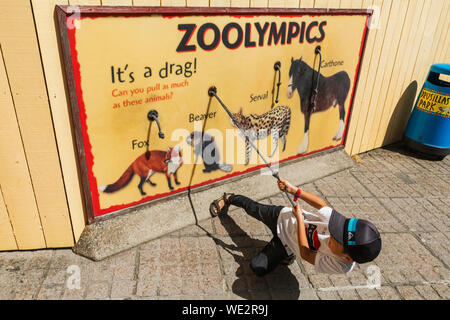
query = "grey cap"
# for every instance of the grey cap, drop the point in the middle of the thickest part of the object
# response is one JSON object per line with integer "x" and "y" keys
{"x": 360, "y": 237}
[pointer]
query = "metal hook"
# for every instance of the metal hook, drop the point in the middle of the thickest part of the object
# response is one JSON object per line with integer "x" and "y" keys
{"x": 152, "y": 115}
{"x": 277, "y": 67}
{"x": 317, "y": 51}
{"x": 212, "y": 91}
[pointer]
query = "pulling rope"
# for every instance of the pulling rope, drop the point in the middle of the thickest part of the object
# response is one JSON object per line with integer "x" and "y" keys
{"x": 212, "y": 92}
{"x": 193, "y": 170}
{"x": 316, "y": 89}
{"x": 277, "y": 68}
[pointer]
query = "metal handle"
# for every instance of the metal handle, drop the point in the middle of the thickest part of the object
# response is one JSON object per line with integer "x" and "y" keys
{"x": 317, "y": 51}
{"x": 277, "y": 68}
{"x": 152, "y": 115}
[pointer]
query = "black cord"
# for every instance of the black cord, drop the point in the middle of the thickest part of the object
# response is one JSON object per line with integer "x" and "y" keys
{"x": 316, "y": 89}
{"x": 277, "y": 68}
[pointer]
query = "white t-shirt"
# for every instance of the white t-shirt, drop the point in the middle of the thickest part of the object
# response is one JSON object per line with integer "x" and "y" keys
{"x": 318, "y": 236}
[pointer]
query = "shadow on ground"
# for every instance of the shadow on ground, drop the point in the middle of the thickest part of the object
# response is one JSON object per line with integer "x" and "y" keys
{"x": 400, "y": 115}
{"x": 401, "y": 148}
{"x": 281, "y": 283}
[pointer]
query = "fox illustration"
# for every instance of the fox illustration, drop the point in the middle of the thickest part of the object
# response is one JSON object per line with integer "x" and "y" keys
{"x": 146, "y": 165}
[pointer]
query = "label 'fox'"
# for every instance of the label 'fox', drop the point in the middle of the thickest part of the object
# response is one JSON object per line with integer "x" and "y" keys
{"x": 166, "y": 162}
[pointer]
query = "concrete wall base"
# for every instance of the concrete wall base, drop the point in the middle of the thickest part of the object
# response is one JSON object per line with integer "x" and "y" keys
{"x": 111, "y": 236}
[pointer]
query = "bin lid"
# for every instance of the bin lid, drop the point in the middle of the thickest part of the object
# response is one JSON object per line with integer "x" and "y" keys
{"x": 441, "y": 68}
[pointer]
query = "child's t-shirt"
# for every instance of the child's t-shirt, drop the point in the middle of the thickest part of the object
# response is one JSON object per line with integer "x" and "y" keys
{"x": 318, "y": 235}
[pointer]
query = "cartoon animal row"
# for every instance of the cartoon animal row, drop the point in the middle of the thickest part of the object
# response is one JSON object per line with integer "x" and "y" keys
{"x": 168, "y": 162}
{"x": 333, "y": 91}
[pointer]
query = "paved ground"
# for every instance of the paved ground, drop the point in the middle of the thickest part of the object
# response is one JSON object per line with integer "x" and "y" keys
{"x": 407, "y": 197}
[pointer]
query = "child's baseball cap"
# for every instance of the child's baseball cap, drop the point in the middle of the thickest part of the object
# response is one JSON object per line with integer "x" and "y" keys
{"x": 360, "y": 237}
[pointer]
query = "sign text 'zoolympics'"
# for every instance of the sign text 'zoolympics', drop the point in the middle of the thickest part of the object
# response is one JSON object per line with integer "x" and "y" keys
{"x": 276, "y": 34}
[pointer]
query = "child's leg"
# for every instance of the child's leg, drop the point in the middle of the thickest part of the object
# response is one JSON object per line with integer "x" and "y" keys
{"x": 267, "y": 214}
{"x": 270, "y": 257}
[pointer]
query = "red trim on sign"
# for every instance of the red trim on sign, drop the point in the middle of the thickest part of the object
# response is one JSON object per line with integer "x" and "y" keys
{"x": 83, "y": 116}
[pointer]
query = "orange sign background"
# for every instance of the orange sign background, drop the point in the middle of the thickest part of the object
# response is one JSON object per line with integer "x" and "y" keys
{"x": 126, "y": 65}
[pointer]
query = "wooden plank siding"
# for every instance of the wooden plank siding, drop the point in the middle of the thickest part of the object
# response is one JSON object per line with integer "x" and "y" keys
{"x": 402, "y": 63}
{"x": 284, "y": 4}
{"x": 29, "y": 94}
{"x": 149, "y": 3}
{"x": 173, "y": 3}
{"x": 385, "y": 64}
{"x": 395, "y": 130}
{"x": 7, "y": 238}
{"x": 368, "y": 69}
{"x": 197, "y": 3}
{"x": 240, "y": 3}
{"x": 306, "y": 3}
{"x": 19, "y": 204}
{"x": 14, "y": 175}
{"x": 53, "y": 70}
{"x": 220, "y": 3}
{"x": 41, "y": 202}
{"x": 421, "y": 42}
{"x": 117, "y": 3}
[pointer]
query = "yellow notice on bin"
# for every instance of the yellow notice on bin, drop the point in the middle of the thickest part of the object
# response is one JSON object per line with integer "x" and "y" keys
{"x": 434, "y": 102}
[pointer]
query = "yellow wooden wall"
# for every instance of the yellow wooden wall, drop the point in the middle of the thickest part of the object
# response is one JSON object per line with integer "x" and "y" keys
{"x": 32, "y": 188}
{"x": 40, "y": 198}
{"x": 412, "y": 35}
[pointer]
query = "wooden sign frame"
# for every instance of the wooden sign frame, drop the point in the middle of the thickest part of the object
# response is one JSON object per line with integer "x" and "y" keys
{"x": 74, "y": 92}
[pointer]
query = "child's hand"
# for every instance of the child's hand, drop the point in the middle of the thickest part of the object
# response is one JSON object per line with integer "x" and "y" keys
{"x": 285, "y": 185}
{"x": 297, "y": 212}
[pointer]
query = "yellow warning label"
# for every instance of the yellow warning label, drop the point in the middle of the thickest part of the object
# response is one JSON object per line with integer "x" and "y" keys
{"x": 434, "y": 102}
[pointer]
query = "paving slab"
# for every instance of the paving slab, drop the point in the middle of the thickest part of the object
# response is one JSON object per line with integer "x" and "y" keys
{"x": 111, "y": 236}
{"x": 405, "y": 196}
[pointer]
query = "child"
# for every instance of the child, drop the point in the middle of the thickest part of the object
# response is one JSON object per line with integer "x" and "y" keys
{"x": 327, "y": 240}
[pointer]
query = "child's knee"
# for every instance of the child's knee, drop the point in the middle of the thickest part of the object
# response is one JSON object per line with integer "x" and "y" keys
{"x": 259, "y": 271}
{"x": 259, "y": 265}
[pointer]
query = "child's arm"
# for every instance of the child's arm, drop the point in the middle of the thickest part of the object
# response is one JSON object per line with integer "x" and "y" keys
{"x": 308, "y": 197}
{"x": 305, "y": 252}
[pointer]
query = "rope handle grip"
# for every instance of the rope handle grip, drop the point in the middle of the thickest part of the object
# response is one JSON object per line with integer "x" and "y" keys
{"x": 212, "y": 92}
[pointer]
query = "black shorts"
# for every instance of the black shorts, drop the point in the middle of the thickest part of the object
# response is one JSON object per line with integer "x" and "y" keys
{"x": 274, "y": 252}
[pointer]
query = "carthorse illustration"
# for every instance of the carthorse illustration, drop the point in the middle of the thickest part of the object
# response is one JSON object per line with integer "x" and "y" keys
{"x": 205, "y": 146}
{"x": 330, "y": 91}
{"x": 256, "y": 127}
